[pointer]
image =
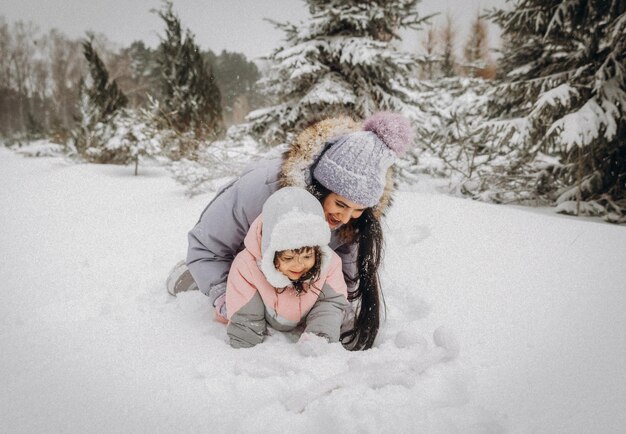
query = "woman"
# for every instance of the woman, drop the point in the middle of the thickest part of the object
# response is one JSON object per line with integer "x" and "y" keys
{"x": 349, "y": 169}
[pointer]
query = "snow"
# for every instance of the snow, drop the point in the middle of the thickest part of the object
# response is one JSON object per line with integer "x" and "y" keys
{"x": 329, "y": 90}
{"x": 560, "y": 95}
{"x": 91, "y": 341}
{"x": 580, "y": 128}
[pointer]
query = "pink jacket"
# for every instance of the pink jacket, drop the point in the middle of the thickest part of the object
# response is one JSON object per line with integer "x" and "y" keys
{"x": 252, "y": 302}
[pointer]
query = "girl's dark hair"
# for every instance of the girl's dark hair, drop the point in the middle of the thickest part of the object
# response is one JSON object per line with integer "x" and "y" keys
{"x": 366, "y": 231}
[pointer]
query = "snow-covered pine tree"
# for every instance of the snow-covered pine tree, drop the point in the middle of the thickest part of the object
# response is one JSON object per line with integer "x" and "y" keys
{"x": 134, "y": 133}
{"x": 343, "y": 60}
{"x": 105, "y": 94}
{"x": 191, "y": 100}
{"x": 564, "y": 94}
{"x": 108, "y": 132}
{"x": 100, "y": 101}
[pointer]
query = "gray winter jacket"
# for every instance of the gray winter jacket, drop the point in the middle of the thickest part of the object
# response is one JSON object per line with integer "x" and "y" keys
{"x": 219, "y": 234}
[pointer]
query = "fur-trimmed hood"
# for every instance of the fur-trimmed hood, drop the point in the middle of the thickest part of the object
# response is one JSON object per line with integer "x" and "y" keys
{"x": 306, "y": 149}
{"x": 291, "y": 219}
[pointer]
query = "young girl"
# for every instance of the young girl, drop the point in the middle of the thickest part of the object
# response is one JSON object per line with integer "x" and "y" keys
{"x": 287, "y": 274}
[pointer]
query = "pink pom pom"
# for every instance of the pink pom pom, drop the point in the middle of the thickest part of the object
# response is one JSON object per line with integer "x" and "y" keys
{"x": 393, "y": 129}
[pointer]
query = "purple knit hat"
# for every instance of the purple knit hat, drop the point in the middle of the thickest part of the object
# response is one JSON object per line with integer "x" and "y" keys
{"x": 355, "y": 166}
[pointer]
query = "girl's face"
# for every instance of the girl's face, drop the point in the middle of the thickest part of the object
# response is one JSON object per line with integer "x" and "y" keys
{"x": 338, "y": 210}
{"x": 295, "y": 264}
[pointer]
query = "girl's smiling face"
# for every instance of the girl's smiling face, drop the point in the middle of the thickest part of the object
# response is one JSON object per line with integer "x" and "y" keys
{"x": 338, "y": 210}
{"x": 295, "y": 264}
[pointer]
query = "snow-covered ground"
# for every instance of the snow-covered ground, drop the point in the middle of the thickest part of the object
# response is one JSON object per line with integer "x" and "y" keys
{"x": 91, "y": 342}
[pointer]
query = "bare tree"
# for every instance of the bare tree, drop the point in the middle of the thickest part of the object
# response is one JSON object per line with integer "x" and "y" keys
{"x": 21, "y": 64}
{"x": 477, "y": 62}
{"x": 5, "y": 54}
{"x": 448, "y": 40}
{"x": 66, "y": 68}
{"x": 39, "y": 94}
{"x": 7, "y": 94}
{"x": 430, "y": 59}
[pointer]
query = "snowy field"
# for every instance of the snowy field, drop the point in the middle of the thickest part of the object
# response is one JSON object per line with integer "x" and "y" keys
{"x": 92, "y": 343}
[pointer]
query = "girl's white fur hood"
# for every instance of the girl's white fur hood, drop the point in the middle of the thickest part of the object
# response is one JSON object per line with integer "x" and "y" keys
{"x": 291, "y": 218}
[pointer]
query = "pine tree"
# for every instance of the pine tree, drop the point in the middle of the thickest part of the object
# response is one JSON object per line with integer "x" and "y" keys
{"x": 108, "y": 131}
{"x": 133, "y": 134}
{"x": 190, "y": 97}
{"x": 564, "y": 94}
{"x": 343, "y": 60}
{"x": 100, "y": 101}
{"x": 104, "y": 94}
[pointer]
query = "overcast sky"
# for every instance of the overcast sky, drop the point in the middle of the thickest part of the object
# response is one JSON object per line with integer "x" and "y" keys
{"x": 233, "y": 25}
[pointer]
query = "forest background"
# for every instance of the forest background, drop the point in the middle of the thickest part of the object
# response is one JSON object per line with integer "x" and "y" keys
{"x": 540, "y": 122}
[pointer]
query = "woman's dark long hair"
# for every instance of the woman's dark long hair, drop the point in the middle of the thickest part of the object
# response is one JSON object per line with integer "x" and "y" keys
{"x": 366, "y": 231}
{"x": 368, "y": 292}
